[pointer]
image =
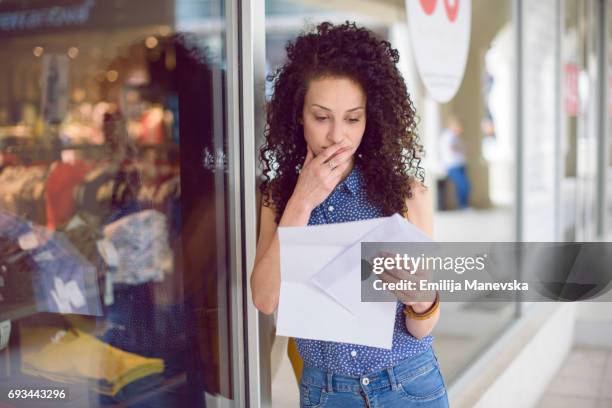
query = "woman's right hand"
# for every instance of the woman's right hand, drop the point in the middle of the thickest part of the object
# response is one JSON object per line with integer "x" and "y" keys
{"x": 321, "y": 174}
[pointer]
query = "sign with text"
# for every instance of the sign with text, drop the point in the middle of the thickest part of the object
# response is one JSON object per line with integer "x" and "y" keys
{"x": 481, "y": 271}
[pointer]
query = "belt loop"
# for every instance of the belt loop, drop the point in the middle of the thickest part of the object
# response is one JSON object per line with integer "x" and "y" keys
{"x": 330, "y": 384}
{"x": 391, "y": 376}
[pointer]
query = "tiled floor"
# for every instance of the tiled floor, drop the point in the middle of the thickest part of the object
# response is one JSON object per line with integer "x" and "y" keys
{"x": 584, "y": 381}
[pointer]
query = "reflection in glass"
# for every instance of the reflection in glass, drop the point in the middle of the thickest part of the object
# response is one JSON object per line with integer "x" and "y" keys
{"x": 608, "y": 109}
{"x": 113, "y": 195}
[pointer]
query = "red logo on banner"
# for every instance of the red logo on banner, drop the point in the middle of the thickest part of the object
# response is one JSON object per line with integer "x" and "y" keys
{"x": 610, "y": 97}
{"x": 451, "y": 11}
{"x": 428, "y": 6}
{"x": 571, "y": 90}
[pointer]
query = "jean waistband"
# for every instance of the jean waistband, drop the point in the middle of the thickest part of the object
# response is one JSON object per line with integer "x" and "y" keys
{"x": 386, "y": 378}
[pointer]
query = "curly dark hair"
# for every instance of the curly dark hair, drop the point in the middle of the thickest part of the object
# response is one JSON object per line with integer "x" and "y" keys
{"x": 390, "y": 152}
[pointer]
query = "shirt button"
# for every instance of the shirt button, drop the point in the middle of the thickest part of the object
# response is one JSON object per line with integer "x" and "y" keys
{"x": 365, "y": 381}
{"x": 353, "y": 353}
{"x": 330, "y": 208}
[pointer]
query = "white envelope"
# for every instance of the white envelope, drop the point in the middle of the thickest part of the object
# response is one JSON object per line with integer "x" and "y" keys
{"x": 304, "y": 310}
{"x": 341, "y": 277}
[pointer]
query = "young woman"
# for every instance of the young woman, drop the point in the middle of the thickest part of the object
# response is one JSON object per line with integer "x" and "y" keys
{"x": 341, "y": 145}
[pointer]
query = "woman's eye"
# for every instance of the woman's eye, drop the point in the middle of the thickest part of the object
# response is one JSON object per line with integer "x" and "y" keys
{"x": 320, "y": 118}
{"x": 353, "y": 120}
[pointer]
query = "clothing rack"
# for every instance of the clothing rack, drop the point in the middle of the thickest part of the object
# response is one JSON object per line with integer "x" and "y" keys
{"x": 41, "y": 153}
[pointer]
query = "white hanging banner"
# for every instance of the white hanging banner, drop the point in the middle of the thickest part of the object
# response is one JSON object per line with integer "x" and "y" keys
{"x": 440, "y": 37}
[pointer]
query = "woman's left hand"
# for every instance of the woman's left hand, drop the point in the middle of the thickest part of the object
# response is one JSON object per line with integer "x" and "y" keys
{"x": 419, "y": 300}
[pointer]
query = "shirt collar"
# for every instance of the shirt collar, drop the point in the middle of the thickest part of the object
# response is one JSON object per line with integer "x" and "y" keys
{"x": 352, "y": 182}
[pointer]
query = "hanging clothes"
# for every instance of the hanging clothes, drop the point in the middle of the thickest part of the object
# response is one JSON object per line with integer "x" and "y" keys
{"x": 15, "y": 275}
{"x": 73, "y": 356}
{"x": 141, "y": 240}
{"x": 59, "y": 194}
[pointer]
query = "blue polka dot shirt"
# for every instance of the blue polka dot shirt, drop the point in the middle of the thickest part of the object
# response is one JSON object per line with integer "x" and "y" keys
{"x": 348, "y": 202}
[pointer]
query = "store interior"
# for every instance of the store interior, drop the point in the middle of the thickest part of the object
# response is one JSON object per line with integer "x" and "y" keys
{"x": 93, "y": 210}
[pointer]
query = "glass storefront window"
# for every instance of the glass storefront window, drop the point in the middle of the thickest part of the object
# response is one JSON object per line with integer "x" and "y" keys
{"x": 579, "y": 141}
{"x": 608, "y": 128}
{"x": 571, "y": 108}
{"x": 539, "y": 113}
{"x": 114, "y": 224}
{"x": 578, "y": 127}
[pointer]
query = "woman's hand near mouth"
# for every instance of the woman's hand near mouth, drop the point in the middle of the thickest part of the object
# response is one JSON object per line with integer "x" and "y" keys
{"x": 340, "y": 151}
{"x": 320, "y": 174}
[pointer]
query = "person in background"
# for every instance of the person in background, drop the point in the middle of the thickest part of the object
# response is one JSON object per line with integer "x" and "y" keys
{"x": 453, "y": 156}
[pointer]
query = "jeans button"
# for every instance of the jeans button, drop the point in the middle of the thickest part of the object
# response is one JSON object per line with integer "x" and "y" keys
{"x": 365, "y": 381}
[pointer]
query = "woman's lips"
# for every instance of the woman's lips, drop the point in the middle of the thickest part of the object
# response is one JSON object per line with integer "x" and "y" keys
{"x": 342, "y": 150}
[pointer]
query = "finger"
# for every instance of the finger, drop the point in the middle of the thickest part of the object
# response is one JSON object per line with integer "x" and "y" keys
{"x": 309, "y": 155}
{"x": 342, "y": 157}
{"x": 408, "y": 295}
{"x": 328, "y": 152}
{"x": 401, "y": 295}
{"x": 333, "y": 166}
{"x": 334, "y": 176}
{"x": 336, "y": 169}
{"x": 384, "y": 254}
{"x": 389, "y": 278}
{"x": 400, "y": 273}
{"x": 424, "y": 274}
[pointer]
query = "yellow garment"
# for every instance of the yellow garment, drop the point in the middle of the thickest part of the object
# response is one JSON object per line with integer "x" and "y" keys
{"x": 77, "y": 357}
{"x": 296, "y": 360}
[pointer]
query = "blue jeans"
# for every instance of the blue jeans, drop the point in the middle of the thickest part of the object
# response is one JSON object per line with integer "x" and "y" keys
{"x": 414, "y": 382}
{"x": 458, "y": 177}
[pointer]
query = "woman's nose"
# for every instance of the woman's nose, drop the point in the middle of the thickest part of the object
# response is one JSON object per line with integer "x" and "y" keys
{"x": 336, "y": 133}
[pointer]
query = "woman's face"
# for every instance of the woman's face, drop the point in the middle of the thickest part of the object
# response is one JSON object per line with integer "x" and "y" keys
{"x": 334, "y": 112}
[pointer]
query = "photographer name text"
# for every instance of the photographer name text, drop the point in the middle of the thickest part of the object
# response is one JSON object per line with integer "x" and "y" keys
{"x": 450, "y": 285}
